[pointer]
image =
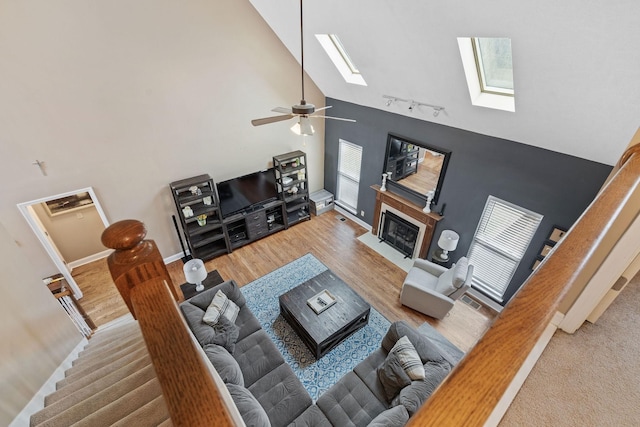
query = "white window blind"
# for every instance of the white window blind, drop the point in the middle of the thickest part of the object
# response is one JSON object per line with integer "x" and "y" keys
{"x": 349, "y": 163}
{"x": 502, "y": 237}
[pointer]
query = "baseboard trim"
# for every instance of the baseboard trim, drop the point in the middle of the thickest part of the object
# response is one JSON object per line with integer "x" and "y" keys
{"x": 23, "y": 419}
{"x": 484, "y": 300}
{"x": 172, "y": 258}
{"x": 352, "y": 217}
{"x": 90, "y": 258}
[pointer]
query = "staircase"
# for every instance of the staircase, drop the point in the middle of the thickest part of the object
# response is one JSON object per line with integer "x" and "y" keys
{"x": 112, "y": 382}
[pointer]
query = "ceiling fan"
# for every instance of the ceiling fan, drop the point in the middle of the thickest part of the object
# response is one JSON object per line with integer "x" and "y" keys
{"x": 303, "y": 110}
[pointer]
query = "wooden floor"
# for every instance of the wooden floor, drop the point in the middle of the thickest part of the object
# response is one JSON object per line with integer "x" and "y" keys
{"x": 332, "y": 241}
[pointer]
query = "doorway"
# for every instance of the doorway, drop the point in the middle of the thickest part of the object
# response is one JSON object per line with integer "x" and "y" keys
{"x": 68, "y": 226}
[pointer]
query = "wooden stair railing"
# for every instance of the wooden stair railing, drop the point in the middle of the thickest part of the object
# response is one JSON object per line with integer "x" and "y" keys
{"x": 468, "y": 396}
{"x": 188, "y": 386}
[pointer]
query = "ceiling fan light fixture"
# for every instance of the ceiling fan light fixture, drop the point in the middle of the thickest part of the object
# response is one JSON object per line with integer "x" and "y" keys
{"x": 303, "y": 127}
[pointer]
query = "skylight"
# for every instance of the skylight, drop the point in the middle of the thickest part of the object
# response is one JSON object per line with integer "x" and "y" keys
{"x": 338, "y": 55}
{"x": 494, "y": 64}
{"x": 488, "y": 68}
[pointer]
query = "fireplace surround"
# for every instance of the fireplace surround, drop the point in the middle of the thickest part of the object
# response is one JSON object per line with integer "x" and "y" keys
{"x": 409, "y": 211}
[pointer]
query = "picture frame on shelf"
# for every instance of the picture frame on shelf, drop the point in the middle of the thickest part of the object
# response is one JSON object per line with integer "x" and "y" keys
{"x": 546, "y": 248}
{"x": 536, "y": 262}
{"x": 557, "y": 233}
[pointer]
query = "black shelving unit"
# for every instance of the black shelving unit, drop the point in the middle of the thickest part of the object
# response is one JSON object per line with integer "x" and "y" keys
{"x": 195, "y": 197}
{"x": 293, "y": 186}
{"x": 405, "y": 162}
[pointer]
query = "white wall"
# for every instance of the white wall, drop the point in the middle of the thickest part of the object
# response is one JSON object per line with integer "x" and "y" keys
{"x": 127, "y": 96}
{"x": 35, "y": 331}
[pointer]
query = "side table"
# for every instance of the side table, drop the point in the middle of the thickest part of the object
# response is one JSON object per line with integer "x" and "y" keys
{"x": 437, "y": 259}
{"x": 213, "y": 279}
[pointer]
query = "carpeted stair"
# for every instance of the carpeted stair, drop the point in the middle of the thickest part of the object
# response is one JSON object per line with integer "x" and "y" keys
{"x": 112, "y": 382}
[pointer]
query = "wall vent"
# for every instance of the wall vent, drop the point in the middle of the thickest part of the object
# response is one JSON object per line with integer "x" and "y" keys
{"x": 471, "y": 302}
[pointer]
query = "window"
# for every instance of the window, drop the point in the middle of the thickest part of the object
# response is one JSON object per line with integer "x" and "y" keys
{"x": 349, "y": 162}
{"x": 338, "y": 55}
{"x": 502, "y": 237}
{"x": 494, "y": 65}
{"x": 488, "y": 68}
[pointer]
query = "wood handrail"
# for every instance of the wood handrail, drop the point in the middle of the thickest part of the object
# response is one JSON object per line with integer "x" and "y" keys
{"x": 189, "y": 390}
{"x": 468, "y": 396}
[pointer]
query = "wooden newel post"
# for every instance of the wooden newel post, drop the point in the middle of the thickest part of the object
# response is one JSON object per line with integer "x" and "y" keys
{"x": 135, "y": 260}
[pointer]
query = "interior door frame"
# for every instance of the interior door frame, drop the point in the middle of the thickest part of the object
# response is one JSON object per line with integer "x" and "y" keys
{"x": 51, "y": 251}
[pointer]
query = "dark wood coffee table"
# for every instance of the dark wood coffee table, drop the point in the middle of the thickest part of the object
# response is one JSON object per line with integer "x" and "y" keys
{"x": 322, "y": 332}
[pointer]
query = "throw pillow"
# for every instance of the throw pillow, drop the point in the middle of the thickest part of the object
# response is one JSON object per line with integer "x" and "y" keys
{"x": 251, "y": 411}
{"x": 460, "y": 272}
{"x": 394, "y": 417}
{"x": 392, "y": 376}
{"x": 226, "y": 366}
{"x": 409, "y": 358}
{"x": 220, "y": 306}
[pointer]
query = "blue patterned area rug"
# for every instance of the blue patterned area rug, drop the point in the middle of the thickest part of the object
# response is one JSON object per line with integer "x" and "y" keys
{"x": 316, "y": 375}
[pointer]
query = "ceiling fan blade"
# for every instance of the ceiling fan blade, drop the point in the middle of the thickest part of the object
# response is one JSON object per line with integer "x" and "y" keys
{"x": 267, "y": 120}
{"x": 334, "y": 118}
{"x": 282, "y": 110}
{"x": 323, "y": 108}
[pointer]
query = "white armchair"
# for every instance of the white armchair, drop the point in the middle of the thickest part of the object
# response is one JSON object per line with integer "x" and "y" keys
{"x": 432, "y": 289}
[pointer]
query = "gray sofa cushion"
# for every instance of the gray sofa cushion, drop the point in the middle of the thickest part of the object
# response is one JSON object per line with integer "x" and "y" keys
{"x": 252, "y": 413}
{"x": 392, "y": 376}
{"x": 257, "y": 355}
{"x": 394, "y": 417}
{"x": 311, "y": 417}
{"x": 367, "y": 372}
{"x": 425, "y": 348}
{"x": 281, "y": 395}
{"x": 225, "y": 364}
{"x": 413, "y": 396}
{"x": 350, "y": 402}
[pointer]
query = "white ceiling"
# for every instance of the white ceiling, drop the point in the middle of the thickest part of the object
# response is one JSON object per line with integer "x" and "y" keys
{"x": 576, "y": 64}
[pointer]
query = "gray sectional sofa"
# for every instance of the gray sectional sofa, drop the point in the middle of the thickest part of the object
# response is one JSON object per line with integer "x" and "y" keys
{"x": 268, "y": 393}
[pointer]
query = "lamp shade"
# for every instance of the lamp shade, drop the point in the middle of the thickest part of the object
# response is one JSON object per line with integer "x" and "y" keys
{"x": 303, "y": 127}
{"x": 448, "y": 240}
{"x": 194, "y": 271}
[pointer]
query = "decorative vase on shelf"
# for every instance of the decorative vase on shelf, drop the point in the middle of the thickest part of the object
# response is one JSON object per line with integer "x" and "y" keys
{"x": 202, "y": 220}
{"x": 427, "y": 207}
{"x": 187, "y": 212}
{"x": 384, "y": 182}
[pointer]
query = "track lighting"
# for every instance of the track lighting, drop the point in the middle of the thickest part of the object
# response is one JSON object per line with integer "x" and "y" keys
{"x": 412, "y": 104}
{"x": 392, "y": 99}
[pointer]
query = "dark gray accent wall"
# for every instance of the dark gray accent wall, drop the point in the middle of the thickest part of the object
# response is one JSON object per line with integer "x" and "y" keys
{"x": 558, "y": 186}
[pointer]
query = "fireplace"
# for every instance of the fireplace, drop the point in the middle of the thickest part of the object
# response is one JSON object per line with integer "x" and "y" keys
{"x": 408, "y": 211}
{"x": 399, "y": 233}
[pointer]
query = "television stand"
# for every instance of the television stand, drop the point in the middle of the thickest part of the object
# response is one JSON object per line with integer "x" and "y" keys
{"x": 255, "y": 223}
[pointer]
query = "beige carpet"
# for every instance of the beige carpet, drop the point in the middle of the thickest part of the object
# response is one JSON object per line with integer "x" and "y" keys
{"x": 590, "y": 378}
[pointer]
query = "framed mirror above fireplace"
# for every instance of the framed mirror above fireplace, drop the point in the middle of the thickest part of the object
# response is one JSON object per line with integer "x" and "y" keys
{"x": 415, "y": 167}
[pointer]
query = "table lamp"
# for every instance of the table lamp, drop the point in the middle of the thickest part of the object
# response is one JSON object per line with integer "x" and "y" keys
{"x": 195, "y": 273}
{"x": 448, "y": 242}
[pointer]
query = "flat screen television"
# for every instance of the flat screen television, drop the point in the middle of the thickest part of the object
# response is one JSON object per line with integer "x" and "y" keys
{"x": 244, "y": 192}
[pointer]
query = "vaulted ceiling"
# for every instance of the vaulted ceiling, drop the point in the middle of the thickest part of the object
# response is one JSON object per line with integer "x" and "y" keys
{"x": 576, "y": 64}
